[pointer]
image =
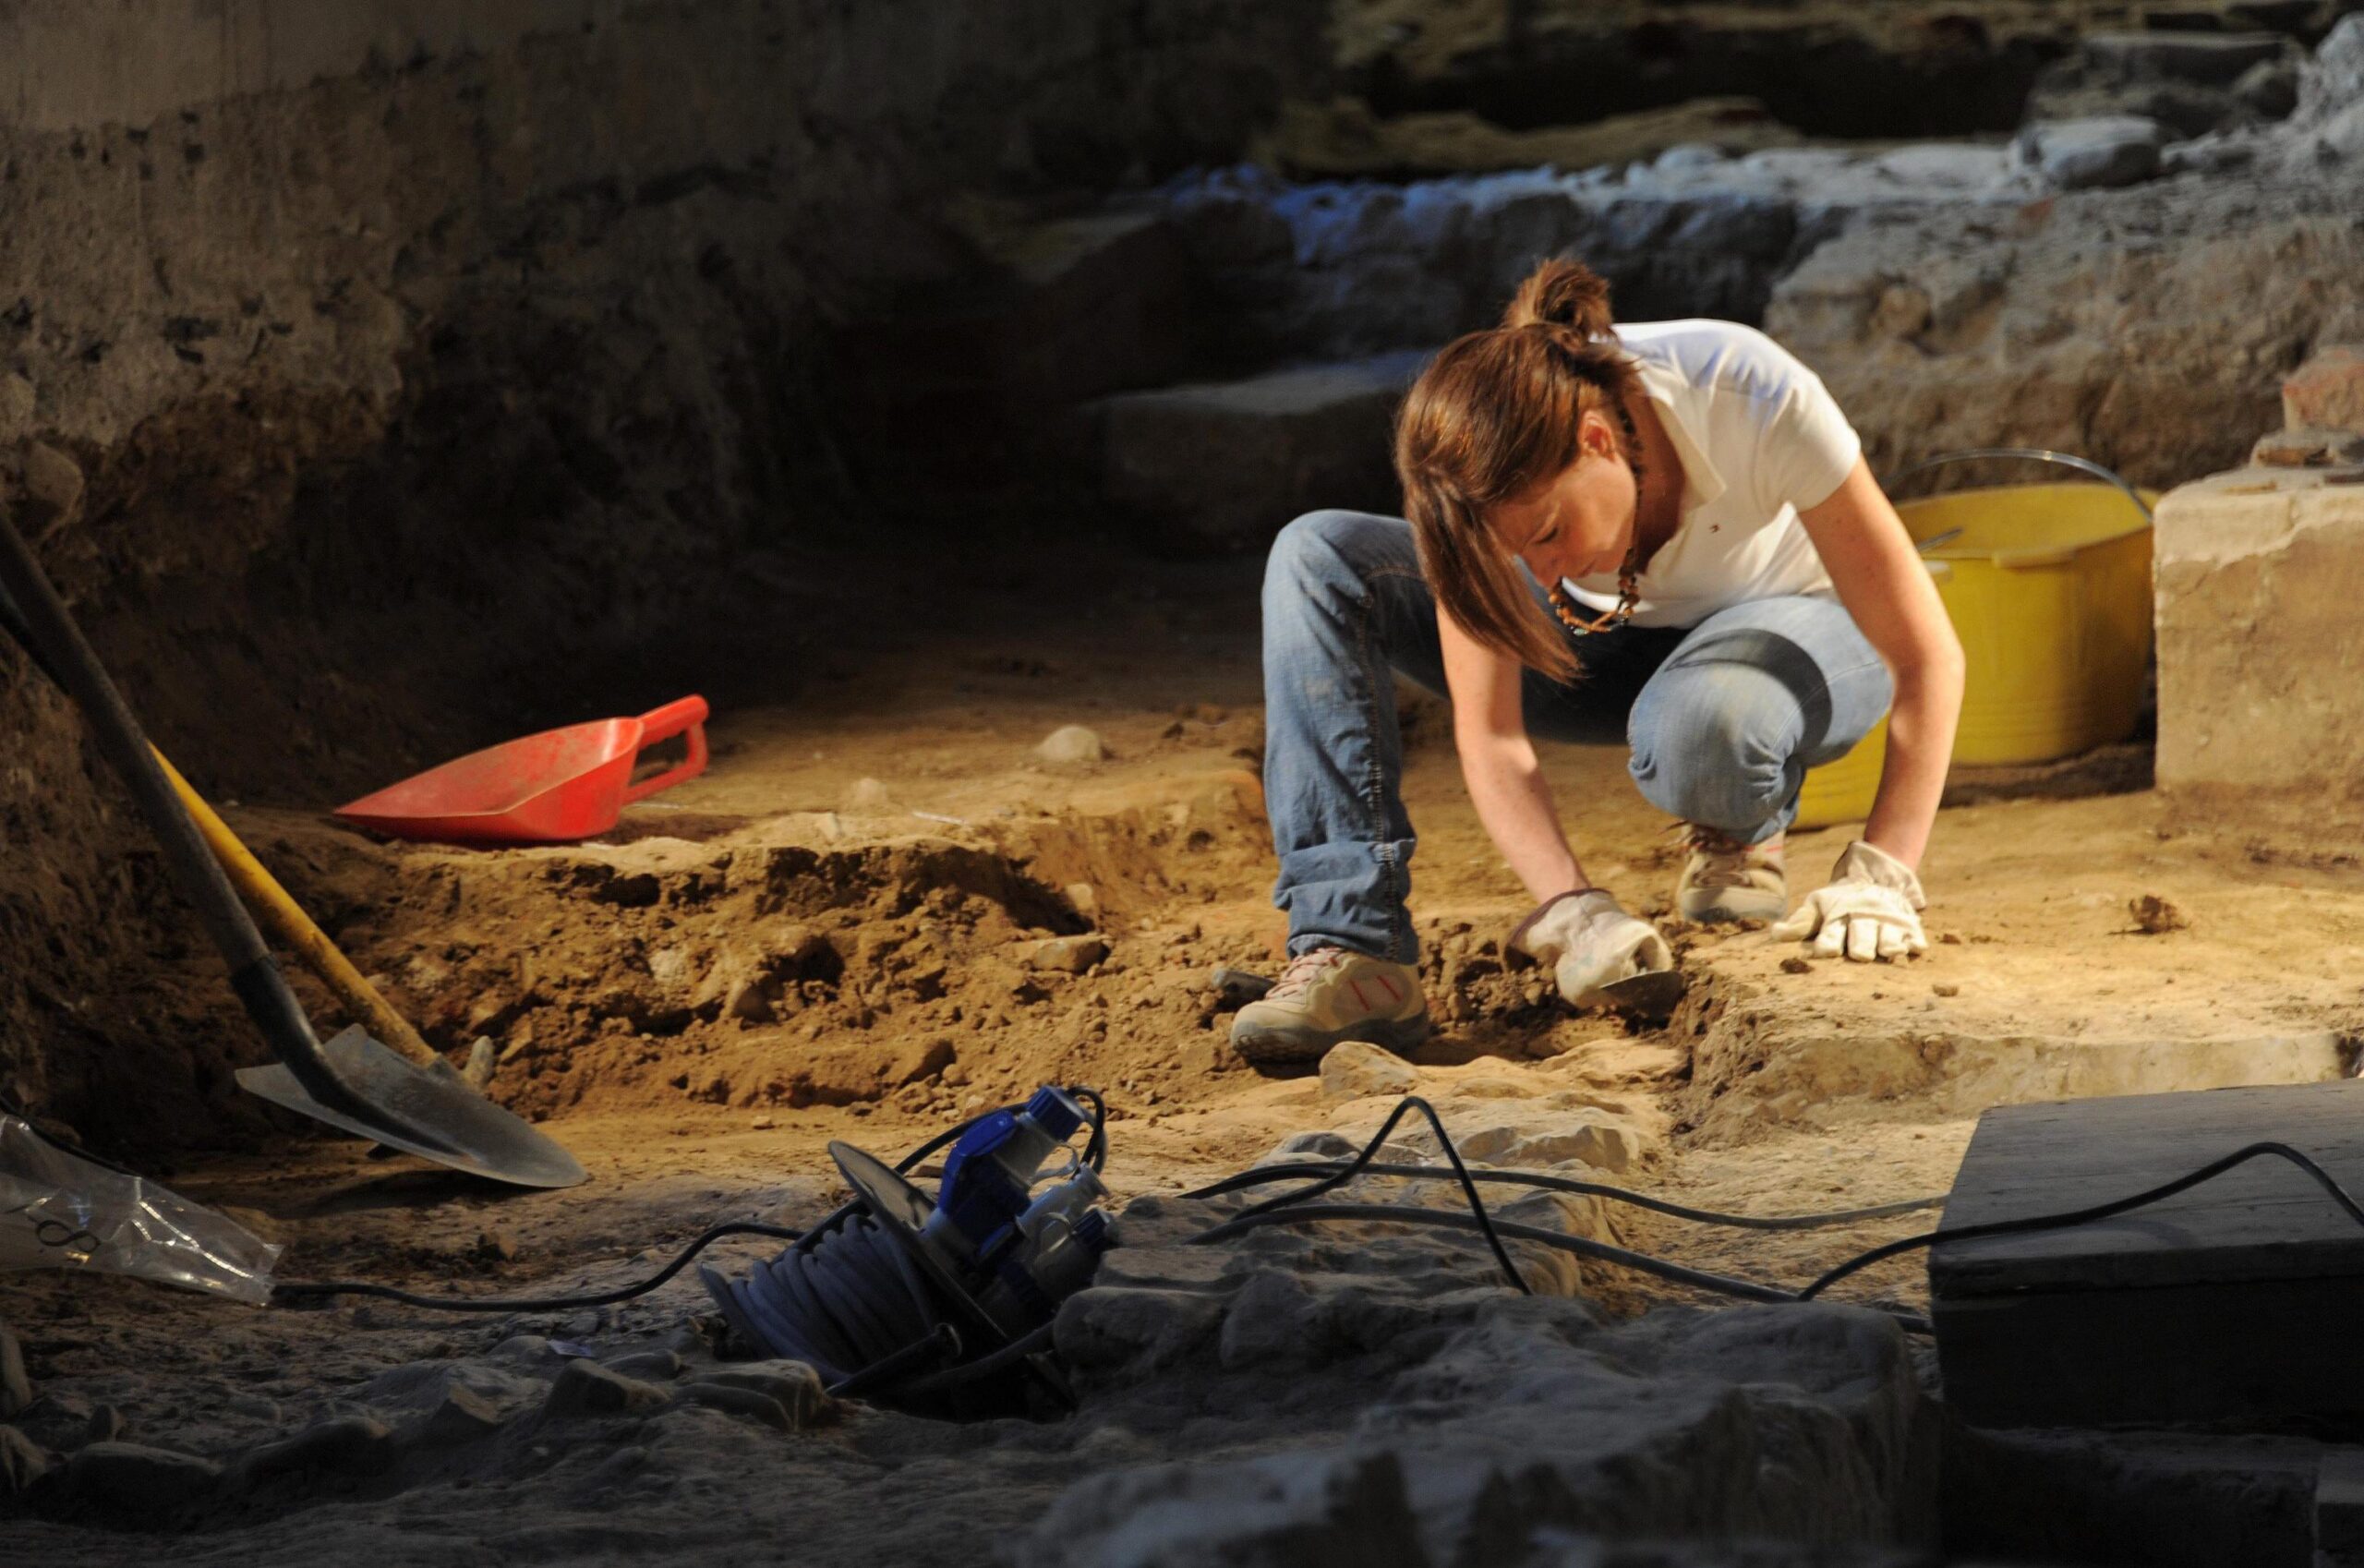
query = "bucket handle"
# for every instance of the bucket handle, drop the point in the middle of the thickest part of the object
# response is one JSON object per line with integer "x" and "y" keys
{"x": 686, "y": 716}
{"x": 2033, "y": 454}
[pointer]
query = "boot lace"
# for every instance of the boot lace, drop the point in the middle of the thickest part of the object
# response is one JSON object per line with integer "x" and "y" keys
{"x": 1305, "y": 969}
{"x": 1726, "y": 862}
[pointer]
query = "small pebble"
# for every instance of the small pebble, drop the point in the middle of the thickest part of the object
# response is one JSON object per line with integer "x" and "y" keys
{"x": 1796, "y": 966}
{"x": 585, "y": 1388}
{"x": 1942, "y": 989}
{"x": 1068, "y": 955}
{"x": 482, "y": 1059}
{"x": 464, "y": 1416}
{"x": 1072, "y": 745}
{"x": 651, "y": 1365}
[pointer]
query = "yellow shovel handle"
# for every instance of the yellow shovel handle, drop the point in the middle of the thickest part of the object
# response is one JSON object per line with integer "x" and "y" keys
{"x": 280, "y": 915}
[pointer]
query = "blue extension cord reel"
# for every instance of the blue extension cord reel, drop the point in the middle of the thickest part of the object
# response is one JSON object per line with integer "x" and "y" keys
{"x": 942, "y": 1306}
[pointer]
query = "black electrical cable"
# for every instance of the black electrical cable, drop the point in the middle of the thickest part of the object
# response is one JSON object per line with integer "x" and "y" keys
{"x": 1262, "y": 1175}
{"x": 298, "y": 1289}
{"x": 858, "y": 1301}
{"x": 1370, "y": 1151}
{"x": 2209, "y": 1172}
{"x": 1293, "y": 1207}
{"x": 1095, "y": 1149}
{"x": 1032, "y": 1342}
{"x": 1583, "y": 1246}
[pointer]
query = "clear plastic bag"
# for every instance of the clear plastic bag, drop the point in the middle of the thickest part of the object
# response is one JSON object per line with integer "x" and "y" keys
{"x": 59, "y": 1211}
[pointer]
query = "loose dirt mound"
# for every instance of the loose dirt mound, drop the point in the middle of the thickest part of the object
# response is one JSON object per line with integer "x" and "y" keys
{"x": 777, "y": 965}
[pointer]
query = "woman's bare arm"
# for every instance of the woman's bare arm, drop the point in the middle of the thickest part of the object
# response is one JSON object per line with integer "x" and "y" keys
{"x": 1887, "y": 590}
{"x": 1499, "y": 764}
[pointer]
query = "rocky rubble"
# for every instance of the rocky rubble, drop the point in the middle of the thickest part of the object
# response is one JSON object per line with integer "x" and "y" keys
{"x": 1495, "y": 1424}
{"x": 2192, "y": 82}
{"x": 1273, "y": 1399}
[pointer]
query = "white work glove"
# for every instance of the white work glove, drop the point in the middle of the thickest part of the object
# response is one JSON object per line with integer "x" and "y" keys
{"x": 1867, "y": 912}
{"x": 1589, "y": 942}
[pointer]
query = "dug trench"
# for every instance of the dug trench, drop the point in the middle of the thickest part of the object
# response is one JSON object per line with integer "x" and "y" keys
{"x": 883, "y": 908}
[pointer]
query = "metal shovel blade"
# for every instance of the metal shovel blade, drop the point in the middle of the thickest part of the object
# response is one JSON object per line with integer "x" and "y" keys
{"x": 433, "y": 1113}
{"x": 1650, "y": 996}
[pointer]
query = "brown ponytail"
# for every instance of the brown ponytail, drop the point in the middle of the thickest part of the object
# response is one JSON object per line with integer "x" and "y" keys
{"x": 1562, "y": 293}
{"x": 1495, "y": 416}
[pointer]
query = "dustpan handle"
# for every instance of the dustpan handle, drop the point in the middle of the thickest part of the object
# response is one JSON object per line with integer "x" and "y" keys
{"x": 686, "y": 716}
{"x": 2032, "y": 454}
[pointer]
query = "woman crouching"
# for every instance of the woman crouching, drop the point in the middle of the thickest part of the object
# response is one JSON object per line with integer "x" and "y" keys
{"x": 1669, "y": 520}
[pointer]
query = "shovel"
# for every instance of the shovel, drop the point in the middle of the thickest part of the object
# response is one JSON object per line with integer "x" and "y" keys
{"x": 352, "y": 1082}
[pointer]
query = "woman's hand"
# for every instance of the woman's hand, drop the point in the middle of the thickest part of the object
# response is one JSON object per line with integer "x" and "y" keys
{"x": 1589, "y": 943}
{"x": 1868, "y": 911}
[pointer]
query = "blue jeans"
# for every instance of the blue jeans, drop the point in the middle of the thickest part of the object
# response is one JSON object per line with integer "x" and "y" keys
{"x": 1723, "y": 718}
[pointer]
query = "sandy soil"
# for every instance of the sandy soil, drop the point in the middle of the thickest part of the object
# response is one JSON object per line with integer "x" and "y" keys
{"x": 880, "y": 908}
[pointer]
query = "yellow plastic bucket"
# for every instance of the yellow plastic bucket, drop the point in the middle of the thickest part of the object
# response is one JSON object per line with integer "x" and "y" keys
{"x": 2049, "y": 588}
{"x": 1842, "y": 791}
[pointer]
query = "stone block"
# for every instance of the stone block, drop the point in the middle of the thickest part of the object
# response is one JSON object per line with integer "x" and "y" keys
{"x": 2107, "y": 150}
{"x": 1224, "y": 466}
{"x": 2327, "y": 392}
{"x": 2261, "y": 674}
{"x": 2215, "y": 59}
{"x": 1353, "y": 1068}
{"x": 1095, "y": 302}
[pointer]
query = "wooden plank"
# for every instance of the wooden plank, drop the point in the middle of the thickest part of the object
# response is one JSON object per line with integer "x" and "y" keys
{"x": 2266, "y": 1220}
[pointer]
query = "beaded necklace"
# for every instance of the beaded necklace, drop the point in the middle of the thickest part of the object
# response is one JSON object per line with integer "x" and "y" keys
{"x": 1629, "y": 575}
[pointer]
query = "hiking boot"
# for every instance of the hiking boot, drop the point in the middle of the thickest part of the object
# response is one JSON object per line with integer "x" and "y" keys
{"x": 1328, "y": 994}
{"x": 1727, "y": 880}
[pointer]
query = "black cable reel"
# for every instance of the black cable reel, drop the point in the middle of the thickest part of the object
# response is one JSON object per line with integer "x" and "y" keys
{"x": 943, "y": 1305}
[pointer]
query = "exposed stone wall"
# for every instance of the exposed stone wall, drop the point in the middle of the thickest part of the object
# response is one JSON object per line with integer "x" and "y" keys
{"x": 2151, "y": 333}
{"x": 1837, "y": 67}
{"x": 367, "y": 366}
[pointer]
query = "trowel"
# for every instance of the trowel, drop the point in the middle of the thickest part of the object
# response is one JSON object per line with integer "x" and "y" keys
{"x": 1650, "y": 996}
{"x": 354, "y": 1082}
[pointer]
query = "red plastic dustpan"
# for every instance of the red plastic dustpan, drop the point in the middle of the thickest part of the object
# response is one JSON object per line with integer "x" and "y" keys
{"x": 546, "y": 789}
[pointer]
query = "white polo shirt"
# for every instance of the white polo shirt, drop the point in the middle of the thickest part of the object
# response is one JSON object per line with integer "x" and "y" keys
{"x": 1761, "y": 439}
